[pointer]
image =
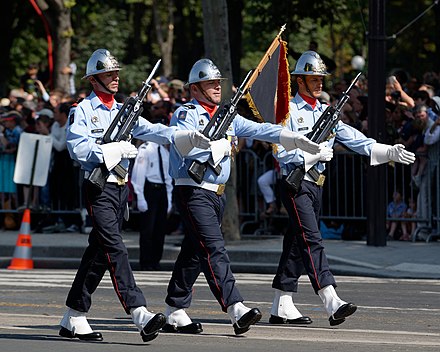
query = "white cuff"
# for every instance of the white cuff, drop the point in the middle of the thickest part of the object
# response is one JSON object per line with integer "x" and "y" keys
{"x": 287, "y": 140}
{"x": 183, "y": 142}
{"x": 112, "y": 155}
{"x": 219, "y": 149}
{"x": 310, "y": 160}
{"x": 379, "y": 154}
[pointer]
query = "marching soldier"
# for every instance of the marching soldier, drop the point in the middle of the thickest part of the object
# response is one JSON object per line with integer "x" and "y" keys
{"x": 302, "y": 247}
{"x": 88, "y": 123}
{"x": 201, "y": 205}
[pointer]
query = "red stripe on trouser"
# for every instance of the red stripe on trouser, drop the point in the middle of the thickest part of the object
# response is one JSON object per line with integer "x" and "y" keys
{"x": 208, "y": 256}
{"x": 112, "y": 271}
{"x": 305, "y": 241}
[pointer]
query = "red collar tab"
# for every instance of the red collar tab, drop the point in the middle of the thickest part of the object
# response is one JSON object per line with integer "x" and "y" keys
{"x": 209, "y": 108}
{"x": 309, "y": 100}
{"x": 106, "y": 98}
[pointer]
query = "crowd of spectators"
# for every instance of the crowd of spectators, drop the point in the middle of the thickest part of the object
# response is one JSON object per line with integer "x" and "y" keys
{"x": 412, "y": 110}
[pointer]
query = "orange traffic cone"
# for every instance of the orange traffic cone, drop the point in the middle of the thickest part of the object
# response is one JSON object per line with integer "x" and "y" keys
{"x": 22, "y": 259}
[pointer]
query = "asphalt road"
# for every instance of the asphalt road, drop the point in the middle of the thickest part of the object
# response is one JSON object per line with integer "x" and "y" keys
{"x": 393, "y": 315}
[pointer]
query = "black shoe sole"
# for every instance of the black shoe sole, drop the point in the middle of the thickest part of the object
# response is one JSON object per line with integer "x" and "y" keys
{"x": 344, "y": 311}
{"x": 151, "y": 330}
{"x": 254, "y": 316}
{"x": 94, "y": 336}
{"x": 284, "y": 321}
{"x": 193, "y": 328}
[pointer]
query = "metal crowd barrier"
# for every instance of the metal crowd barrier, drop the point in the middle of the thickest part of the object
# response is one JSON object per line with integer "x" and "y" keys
{"x": 344, "y": 194}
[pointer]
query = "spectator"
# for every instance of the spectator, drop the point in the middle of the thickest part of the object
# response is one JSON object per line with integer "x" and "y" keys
{"x": 42, "y": 126}
{"x": 9, "y": 137}
{"x": 159, "y": 91}
{"x": 62, "y": 172}
{"x": 27, "y": 81}
{"x": 265, "y": 184}
{"x": 70, "y": 71}
{"x": 396, "y": 209}
{"x": 421, "y": 97}
{"x": 411, "y": 212}
{"x": 153, "y": 187}
{"x": 395, "y": 94}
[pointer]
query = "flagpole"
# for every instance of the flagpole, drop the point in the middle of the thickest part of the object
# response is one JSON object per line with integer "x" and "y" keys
{"x": 266, "y": 56}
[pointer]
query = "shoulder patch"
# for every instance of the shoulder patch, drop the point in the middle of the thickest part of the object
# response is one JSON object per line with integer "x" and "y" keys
{"x": 71, "y": 116}
{"x": 182, "y": 115}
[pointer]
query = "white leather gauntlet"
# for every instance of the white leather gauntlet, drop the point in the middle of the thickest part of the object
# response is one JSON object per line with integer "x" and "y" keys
{"x": 292, "y": 140}
{"x": 382, "y": 153}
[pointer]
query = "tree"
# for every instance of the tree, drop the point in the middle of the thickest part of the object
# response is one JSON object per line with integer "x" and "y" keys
{"x": 216, "y": 39}
{"x": 14, "y": 17}
{"x": 165, "y": 44}
{"x": 58, "y": 16}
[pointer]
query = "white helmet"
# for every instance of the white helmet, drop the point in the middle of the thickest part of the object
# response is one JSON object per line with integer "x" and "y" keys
{"x": 203, "y": 70}
{"x": 310, "y": 63}
{"x": 101, "y": 61}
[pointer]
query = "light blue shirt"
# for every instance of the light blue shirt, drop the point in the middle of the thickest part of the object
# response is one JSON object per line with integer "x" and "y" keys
{"x": 301, "y": 119}
{"x": 192, "y": 116}
{"x": 89, "y": 121}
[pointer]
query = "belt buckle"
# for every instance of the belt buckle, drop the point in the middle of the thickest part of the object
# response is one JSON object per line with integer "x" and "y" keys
{"x": 220, "y": 189}
{"x": 320, "y": 180}
{"x": 120, "y": 180}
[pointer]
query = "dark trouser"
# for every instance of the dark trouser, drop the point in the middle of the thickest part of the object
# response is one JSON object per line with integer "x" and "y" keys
{"x": 203, "y": 249}
{"x": 153, "y": 224}
{"x": 106, "y": 250}
{"x": 302, "y": 244}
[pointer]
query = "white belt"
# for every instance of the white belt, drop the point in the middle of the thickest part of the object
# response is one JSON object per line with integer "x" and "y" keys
{"x": 217, "y": 188}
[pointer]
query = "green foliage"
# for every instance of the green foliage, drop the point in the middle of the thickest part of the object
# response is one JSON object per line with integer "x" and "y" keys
{"x": 132, "y": 75}
{"x": 338, "y": 26}
{"x": 27, "y": 50}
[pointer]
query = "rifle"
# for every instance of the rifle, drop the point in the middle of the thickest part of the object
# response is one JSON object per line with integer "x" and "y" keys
{"x": 225, "y": 114}
{"x": 126, "y": 118}
{"x": 321, "y": 131}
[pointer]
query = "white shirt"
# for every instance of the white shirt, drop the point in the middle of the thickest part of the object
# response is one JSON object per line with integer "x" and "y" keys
{"x": 58, "y": 134}
{"x": 146, "y": 167}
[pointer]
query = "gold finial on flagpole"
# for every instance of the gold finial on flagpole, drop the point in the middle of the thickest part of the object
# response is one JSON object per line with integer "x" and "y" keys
{"x": 283, "y": 27}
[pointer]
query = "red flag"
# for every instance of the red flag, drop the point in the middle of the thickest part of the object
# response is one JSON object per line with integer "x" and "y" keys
{"x": 269, "y": 91}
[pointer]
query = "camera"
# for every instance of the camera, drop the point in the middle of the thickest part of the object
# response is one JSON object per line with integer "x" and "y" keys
{"x": 395, "y": 95}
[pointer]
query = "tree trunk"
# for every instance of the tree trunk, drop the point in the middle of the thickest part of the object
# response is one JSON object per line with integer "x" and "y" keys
{"x": 61, "y": 30}
{"x": 166, "y": 45}
{"x": 216, "y": 40}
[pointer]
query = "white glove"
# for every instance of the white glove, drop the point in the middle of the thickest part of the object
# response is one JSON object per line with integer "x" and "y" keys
{"x": 382, "y": 153}
{"x": 399, "y": 154}
{"x": 115, "y": 151}
{"x": 220, "y": 149}
{"x": 325, "y": 154}
{"x": 142, "y": 205}
{"x": 128, "y": 150}
{"x": 292, "y": 140}
{"x": 186, "y": 140}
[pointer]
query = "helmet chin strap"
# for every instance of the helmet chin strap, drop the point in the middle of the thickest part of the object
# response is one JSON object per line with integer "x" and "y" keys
{"x": 103, "y": 85}
{"x": 206, "y": 95}
{"x": 303, "y": 77}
